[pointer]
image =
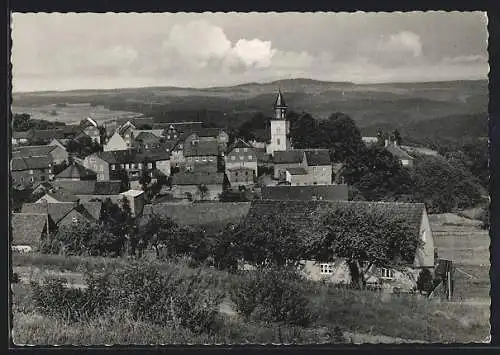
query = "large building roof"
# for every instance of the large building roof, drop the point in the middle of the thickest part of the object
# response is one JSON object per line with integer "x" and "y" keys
{"x": 29, "y": 163}
{"x": 317, "y": 157}
{"x": 303, "y": 214}
{"x": 27, "y": 228}
{"x": 134, "y": 156}
{"x": 77, "y": 171}
{"x": 288, "y": 156}
{"x": 201, "y": 148}
{"x": 32, "y": 150}
{"x": 197, "y": 178}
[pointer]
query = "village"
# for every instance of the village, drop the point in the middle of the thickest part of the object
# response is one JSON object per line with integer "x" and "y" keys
{"x": 194, "y": 175}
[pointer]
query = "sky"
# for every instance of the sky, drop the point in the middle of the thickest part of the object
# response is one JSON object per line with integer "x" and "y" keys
{"x": 54, "y": 51}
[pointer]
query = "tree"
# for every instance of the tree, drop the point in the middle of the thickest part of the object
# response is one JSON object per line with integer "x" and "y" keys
{"x": 119, "y": 221}
{"x": 365, "y": 237}
{"x": 145, "y": 178}
{"x": 122, "y": 175}
{"x": 304, "y": 132}
{"x": 380, "y": 137}
{"x": 203, "y": 191}
{"x": 57, "y": 168}
{"x": 396, "y": 137}
{"x": 158, "y": 231}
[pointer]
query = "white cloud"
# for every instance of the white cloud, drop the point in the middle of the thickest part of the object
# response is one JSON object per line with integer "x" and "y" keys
{"x": 254, "y": 52}
{"x": 466, "y": 59}
{"x": 404, "y": 41}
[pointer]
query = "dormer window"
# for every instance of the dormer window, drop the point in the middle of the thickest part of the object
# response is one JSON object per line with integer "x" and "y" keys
{"x": 74, "y": 220}
{"x": 237, "y": 150}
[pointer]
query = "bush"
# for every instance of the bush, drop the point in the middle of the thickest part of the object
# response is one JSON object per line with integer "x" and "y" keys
{"x": 272, "y": 295}
{"x": 424, "y": 281}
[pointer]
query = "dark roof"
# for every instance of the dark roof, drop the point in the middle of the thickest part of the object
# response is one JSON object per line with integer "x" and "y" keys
{"x": 239, "y": 143}
{"x": 57, "y": 211}
{"x": 317, "y": 157}
{"x": 134, "y": 156}
{"x": 279, "y": 101}
{"x": 297, "y": 171}
{"x": 77, "y": 187}
{"x": 147, "y": 137}
{"x": 288, "y": 156}
{"x": 194, "y": 178}
{"x": 110, "y": 187}
{"x": 33, "y": 150}
{"x": 28, "y": 163}
{"x": 125, "y": 126}
{"x": 21, "y": 135}
{"x": 92, "y": 208}
{"x": 398, "y": 152}
{"x": 304, "y": 213}
{"x": 320, "y": 192}
{"x": 202, "y": 148}
{"x": 207, "y": 131}
{"x": 262, "y": 155}
{"x": 77, "y": 171}
{"x": 62, "y": 195}
{"x": 27, "y": 228}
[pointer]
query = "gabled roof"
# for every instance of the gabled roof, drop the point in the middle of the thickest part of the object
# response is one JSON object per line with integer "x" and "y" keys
{"x": 147, "y": 137}
{"x": 87, "y": 122}
{"x": 29, "y": 163}
{"x": 207, "y": 131}
{"x": 288, "y": 156}
{"x": 62, "y": 195}
{"x": 297, "y": 171}
{"x": 197, "y": 178}
{"x": 304, "y": 214}
{"x": 57, "y": 211}
{"x": 121, "y": 130}
{"x": 317, "y": 157}
{"x": 27, "y": 228}
{"x": 279, "y": 101}
{"x": 77, "y": 171}
{"x": 398, "y": 152}
{"x": 33, "y": 150}
{"x": 202, "y": 148}
{"x": 93, "y": 209}
{"x": 109, "y": 187}
{"x": 20, "y": 135}
{"x": 239, "y": 143}
{"x": 152, "y": 133}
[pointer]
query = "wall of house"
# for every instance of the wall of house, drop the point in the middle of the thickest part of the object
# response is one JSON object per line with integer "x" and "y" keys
{"x": 177, "y": 158}
{"x": 164, "y": 166}
{"x": 29, "y": 177}
{"x": 241, "y": 158}
{"x": 201, "y": 163}
{"x": 301, "y": 180}
{"x": 116, "y": 142}
{"x": 97, "y": 165}
{"x": 241, "y": 177}
{"x": 321, "y": 175}
{"x": 180, "y": 191}
{"x": 407, "y": 162}
{"x": 424, "y": 256}
{"x": 278, "y": 168}
{"x": 279, "y": 140}
{"x": 58, "y": 155}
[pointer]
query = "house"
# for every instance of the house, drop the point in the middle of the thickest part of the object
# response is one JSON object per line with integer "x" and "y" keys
{"x": 135, "y": 199}
{"x": 89, "y": 127}
{"x": 29, "y": 171}
{"x": 306, "y": 193}
{"x": 197, "y": 185}
{"x": 304, "y": 215}
{"x": 64, "y": 213}
{"x": 218, "y": 134}
{"x": 369, "y": 141}
{"x": 294, "y": 177}
{"x": 280, "y": 127}
{"x": 27, "y": 230}
{"x": 201, "y": 154}
{"x": 108, "y": 164}
{"x": 241, "y": 155}
{"x": 76, "y": 172}
{"x": 58, "y": 195}
{"x": 116, "y": 142}
{"x": 286, "y": 159}
{"x": 20, "y": 138}
{"x": 319, "y": 166}
{"x": 241, "y": 176}
{"x": 147, "y": 140}
{"x": 55, "y": 153}
{"x": 45, "y": 136}
{"x": 393, "y": 148}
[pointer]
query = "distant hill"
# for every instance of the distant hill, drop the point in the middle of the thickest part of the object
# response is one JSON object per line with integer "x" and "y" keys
{"x": 402, "y": 105}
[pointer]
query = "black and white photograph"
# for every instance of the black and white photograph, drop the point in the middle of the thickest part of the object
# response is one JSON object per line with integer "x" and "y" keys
{"x": 249, "y": 178}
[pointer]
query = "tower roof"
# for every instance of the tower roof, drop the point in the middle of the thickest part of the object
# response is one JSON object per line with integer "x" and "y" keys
{"x": 280, "y": 101}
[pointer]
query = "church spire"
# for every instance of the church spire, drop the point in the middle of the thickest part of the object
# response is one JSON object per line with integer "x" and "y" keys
{"x": 280, "y": 101}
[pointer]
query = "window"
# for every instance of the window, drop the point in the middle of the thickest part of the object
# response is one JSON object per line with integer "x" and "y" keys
{"x": 32, "y": 179}
{"x": 245, "y": 150}
{"x": 42, "y": 178}
{"x": 210, "y": 159}
{"x": 387, "y": 273}
{"x": 196, "y": 159}
{"x": 175, "y": 135}
{"x": 123, "y": 166}
{"x": 150, "y": 165}
{"x": 246, "y": 172}
{"x": 31, "y": 171}
{"x": 233, "y": 157}
{"x": 127, "y": 166}
{"x": 113, "y": 167}
{"x": 204, "y": 159}
{"x": 236, "y": 174}
{"x": 249, "y": 157}
{"x": 146, "y": 146}
{"x": 74, "y": 220}
{"x": 237, "y": 150}
{"x": 326, "y": 269}
{"x": 278, "y": 141}
{"x": 242, "y": 157}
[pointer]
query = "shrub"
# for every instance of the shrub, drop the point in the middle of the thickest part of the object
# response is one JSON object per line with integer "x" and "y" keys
{"x": 272, "y": 295}
{"x": 424, "y": 281}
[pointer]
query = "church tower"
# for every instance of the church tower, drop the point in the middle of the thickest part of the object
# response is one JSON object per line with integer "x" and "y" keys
{"x": 280, "y": 127}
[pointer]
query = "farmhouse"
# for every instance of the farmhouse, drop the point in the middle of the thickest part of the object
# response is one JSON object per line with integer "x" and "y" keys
{"x": 201, "y": 155}
{"x": 241, "y": 155}
{"x": 54, "y": 153}
{"x": 197, "y": 185}
{"x": 90, "y": 128}
{"x": 304, "y": 214}
{"x": 29, "y": 171}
